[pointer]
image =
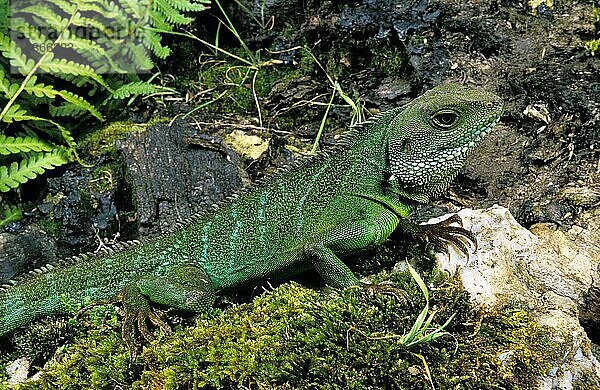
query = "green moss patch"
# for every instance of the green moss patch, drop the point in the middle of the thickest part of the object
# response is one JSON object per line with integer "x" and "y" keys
{"x": 103, "y": 140}
{"x": 296, "y": 337}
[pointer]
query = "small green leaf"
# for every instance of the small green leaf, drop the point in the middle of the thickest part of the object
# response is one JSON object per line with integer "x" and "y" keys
{"x": 12, "y": 145}
{"x": 30, "y": 167}
{"x": 10, "y": 214}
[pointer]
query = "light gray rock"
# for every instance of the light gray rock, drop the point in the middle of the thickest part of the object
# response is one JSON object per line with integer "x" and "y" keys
{"x": 18, "y": 370}
{"x": 547, "y": 270}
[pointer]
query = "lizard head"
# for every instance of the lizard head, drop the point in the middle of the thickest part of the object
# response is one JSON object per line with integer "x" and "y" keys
{"x": 430, "y": 139}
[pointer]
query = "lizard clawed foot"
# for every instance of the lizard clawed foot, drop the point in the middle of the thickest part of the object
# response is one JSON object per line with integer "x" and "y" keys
{"x": 441, "y": 234}
{"x": 137, "y": 312}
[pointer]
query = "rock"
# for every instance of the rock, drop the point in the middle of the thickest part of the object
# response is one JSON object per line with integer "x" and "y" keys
{"x": 176, "y": 172}
{"x": 28, "y": 249}
{"x": 548, "y": 271}
{"x": 17, "y": 370}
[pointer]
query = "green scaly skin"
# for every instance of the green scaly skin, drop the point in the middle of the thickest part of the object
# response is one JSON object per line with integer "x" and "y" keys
{"x": 306, "y": 216}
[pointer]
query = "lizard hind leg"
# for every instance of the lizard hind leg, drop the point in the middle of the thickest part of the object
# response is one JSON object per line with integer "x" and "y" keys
{"x": 185, "y": 287}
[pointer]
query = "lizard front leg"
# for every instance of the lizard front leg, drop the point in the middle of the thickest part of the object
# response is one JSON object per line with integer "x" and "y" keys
{"x": 440, "y": 234}
{"x": 347, "y": 238}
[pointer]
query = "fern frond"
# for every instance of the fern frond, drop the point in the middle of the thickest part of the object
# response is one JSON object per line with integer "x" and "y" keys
{"x": 81, "y": 103}
{"x": 29, "y": 168}
{"x": 169, "y": 13}
{"x": 68, "y": 7}
{"x": 16, "y": 114}
{"x": 139, "y": 88}
{"x": 41, "y": 90}
{"x": 138, "y": 55}
{"x": 86, "y": 47}
{"x": 13, "y": 53}
{"x": 55, "y": 130}
{"x": 32, "y": 33}
{"x": 99, "y": 6}
{"x": 136, "y": 8}
{"x": 12, "y": 145}
{"x": 151, "y": 40}
{"x": 66, "y": 109}
{"x": 157, "y": 22}
{"x": 45, "y": 16}
{"x": 62, "y": 65}
{"x": 7, "y": 88}
{"x": 190, "y": 6}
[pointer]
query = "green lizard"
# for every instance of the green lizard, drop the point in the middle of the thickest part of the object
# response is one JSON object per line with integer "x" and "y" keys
{"x": 305, "y": 216}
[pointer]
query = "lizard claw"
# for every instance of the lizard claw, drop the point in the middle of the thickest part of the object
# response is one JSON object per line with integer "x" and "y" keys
{"x": 441, "y": 234}
{"x": 137, "y": 312}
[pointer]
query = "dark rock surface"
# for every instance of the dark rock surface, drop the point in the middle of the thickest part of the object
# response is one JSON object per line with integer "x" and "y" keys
{"x": 176, "y": 171}
{"x": 31, "y": 248}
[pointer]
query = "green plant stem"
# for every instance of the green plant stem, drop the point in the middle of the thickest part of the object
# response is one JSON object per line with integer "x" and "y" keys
{"x": 322, "y": 126}
{"x": 232, "y": 28}
{"x": 192, "y": 36}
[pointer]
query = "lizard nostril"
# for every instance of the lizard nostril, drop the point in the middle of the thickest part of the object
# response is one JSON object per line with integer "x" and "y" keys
{"x": 489, "y": 104}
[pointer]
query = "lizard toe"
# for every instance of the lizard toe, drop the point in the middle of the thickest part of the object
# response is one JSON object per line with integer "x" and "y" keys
{"x": 442, "y": 234}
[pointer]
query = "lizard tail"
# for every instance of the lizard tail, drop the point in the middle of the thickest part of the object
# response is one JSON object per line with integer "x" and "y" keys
{"x": 30, "y": 300}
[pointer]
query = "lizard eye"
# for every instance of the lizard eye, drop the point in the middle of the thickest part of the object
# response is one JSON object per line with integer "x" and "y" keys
{"x": 445, "y": 119}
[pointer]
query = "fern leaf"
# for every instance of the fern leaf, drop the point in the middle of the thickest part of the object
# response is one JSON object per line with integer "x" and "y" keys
{"x": 169, "y": 13}
{"x": 13, "y": 53}
{"x": 77, "y": 103}
{"x": 151, "y": 40}
{"x": 45, "y": 16}
{"x": 68, "y": 7}
{"x": 138, "y": 55}
{"x": 16, "y": 114}
{"x": 12, "y": 145}
{"x": 81, "y": 103}
{"x": 62, "y": 65}
{"x": 40, "y": 89}
{"x": 29, "y": 168}
{"x": 56, "y": 130}
{"x": 82, "y": 45}
{"x": 32, "y": 33}
{"x": 139, "y": 88}
{"x": 10, "y": 214}
{"x": 158, "y": 22}
{"x": 136, "y": 8}
{"x": 66, "y": 109}
{"x": 190, "y": 6}
{"x": 7, "y": 88}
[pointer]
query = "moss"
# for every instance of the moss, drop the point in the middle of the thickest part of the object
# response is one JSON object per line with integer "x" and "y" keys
{"x": 387, "y": 58}
{"x": 236, "y": 84}
{"x": 50, "y": 225}
{"x": 105, "y": 178}
{"x": 296, "y": 337}
{"x": 103, "y": 140}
